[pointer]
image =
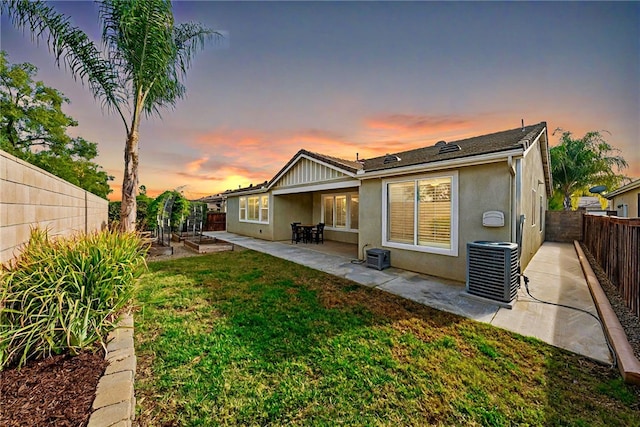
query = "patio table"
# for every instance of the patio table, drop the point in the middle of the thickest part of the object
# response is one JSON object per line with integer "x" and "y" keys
{"x": 307, "y": 229}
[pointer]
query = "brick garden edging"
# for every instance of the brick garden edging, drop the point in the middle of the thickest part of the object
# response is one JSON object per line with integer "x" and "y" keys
{"x": 628, "y": 364}
{"x": 115, "y": 403}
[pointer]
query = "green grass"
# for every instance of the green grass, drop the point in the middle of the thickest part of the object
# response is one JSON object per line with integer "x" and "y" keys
{"x": 242, "y": 338}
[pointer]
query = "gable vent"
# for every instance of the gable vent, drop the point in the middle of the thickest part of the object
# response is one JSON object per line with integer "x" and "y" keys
{"x": 391, "y": 158}
{"x": 448, "y": 148}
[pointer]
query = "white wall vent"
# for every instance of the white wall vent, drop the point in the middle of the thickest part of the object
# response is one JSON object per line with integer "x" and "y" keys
{"x": 492, "y": 270}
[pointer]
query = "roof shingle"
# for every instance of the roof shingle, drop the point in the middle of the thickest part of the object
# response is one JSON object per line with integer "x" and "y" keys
{"x": 478, "y": 145}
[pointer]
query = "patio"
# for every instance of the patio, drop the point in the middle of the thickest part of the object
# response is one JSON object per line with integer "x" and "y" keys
{"x": 555, "y": 276}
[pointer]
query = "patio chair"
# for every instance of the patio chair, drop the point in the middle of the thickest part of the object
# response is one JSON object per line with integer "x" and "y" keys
{"x": 318, "y": 233}
{"x": 296, "y": 233}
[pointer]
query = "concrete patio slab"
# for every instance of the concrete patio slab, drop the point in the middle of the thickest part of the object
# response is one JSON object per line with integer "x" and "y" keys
{"x": 554, "y": 276}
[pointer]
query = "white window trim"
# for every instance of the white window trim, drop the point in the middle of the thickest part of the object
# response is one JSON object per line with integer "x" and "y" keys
{"x": 260, "y": 220}
{"x": 453, "y": 251}
{"x": 542, "y": 210}
{"x": 534, "y": 208}
{"x": 347, "y": 228}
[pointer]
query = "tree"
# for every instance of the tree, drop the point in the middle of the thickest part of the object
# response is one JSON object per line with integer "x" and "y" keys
{"x": 577, "y": 164}
{"x": 146, "y": 56}
{"x": 33, "y": 127}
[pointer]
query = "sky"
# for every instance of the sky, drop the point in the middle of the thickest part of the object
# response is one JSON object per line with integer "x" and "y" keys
{"x": 349, "y": 79}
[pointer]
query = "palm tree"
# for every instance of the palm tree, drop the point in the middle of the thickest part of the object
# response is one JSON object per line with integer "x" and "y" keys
{"x": 577, "y": 164}
{"x": 140, "y": 71}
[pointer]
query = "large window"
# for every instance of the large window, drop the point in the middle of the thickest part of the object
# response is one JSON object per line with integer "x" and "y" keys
{"x": 254, "y": 209}
{"x": 340, "y": 211}
{"x": 421, "y": 214}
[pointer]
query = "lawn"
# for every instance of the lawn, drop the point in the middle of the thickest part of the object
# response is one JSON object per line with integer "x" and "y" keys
{"x": 243, "y": 338}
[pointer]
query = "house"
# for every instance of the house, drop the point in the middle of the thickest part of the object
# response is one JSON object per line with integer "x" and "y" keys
{"x": 626, "y": 200}
{"x": 591, "y": 205}
{"x": 215, "y": 202}
{"x": 422, "y": 205}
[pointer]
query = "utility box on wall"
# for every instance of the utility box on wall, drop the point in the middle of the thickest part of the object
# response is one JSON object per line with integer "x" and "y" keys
{"x": 378, "y": 258}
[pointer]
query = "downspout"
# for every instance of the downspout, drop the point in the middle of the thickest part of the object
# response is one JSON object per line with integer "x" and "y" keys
{"x": 519, "y": 216}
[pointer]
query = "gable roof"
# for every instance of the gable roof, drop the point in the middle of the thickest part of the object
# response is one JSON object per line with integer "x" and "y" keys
{"x": 475, "y": 146}
{"x": 347, "y": 167}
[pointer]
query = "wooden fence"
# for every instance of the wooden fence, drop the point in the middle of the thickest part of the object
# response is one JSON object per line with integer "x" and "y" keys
{"x": 615, "y": 244}
{"x": 216, "y": 221}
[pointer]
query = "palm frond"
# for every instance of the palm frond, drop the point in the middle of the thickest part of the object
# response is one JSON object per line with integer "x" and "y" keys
{"x": 189, "y": 38}
{"x": 154, "y": 55}
{"x": 70, "y": 46}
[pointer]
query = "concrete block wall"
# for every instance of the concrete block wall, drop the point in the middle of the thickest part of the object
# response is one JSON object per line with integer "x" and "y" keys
{"x": 563, "y": 226}
{"x": 30, "y": 197}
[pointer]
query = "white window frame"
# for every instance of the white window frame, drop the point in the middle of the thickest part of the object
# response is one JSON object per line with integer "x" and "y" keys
{"x": 542, "y": 210}
{"x": 347, "y": 227}
{"x": 262, "y": 210}
{"x": 453, "y": 250}
{"x": 534, "y": 210}
{"x": 242, "y": 210}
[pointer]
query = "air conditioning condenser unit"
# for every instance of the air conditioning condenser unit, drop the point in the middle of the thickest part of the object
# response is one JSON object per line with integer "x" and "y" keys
{"x": 378, "y": 258}
{"x": 492, "y": 270}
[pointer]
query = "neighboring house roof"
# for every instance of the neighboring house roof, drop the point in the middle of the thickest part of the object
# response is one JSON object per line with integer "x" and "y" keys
{"x": 213, "y": 198}
{"x": 589, "y": 203}
{"x": 485, "y": 144}
{"x": 260, "y": 188}
{"x": 631, "y": 186}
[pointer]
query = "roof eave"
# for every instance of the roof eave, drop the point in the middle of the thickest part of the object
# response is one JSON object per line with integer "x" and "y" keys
{"x": 631, "y": 186}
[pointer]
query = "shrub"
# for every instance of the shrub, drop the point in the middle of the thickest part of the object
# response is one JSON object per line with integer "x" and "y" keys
{"x": 65, "y": 294}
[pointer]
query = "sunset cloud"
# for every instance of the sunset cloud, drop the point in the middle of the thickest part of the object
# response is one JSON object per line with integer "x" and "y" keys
{"x": 252, "y": 156}
{"x": 196, "y": 164}
{"x": 411, "y": 125}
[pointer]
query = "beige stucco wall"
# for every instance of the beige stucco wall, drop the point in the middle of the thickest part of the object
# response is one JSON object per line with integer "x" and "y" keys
{"x": 631, "y": 198}
{"x": 31, "y": 197}
{"x": 532, "y": 183}
{"x": 290, "y": 208}
{"x": 481, "y": 188}
{"x": 251, "y": 229}
{"x": 305, "y": 208}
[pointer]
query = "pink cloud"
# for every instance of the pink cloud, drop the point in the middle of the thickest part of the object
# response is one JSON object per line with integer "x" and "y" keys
{"x": 239, "y": 157}
{"x": 196, "y": 164}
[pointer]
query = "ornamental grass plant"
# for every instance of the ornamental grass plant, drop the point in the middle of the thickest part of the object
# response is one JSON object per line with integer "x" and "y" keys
{"x": 65, "y": 294}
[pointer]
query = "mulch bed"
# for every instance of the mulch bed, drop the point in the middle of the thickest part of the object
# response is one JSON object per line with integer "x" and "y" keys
{"x": 60, "y": 390}
{"x": 56, "y": 391}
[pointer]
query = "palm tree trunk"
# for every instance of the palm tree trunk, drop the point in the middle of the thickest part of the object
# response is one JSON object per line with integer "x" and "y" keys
{"x": 130, "y": 182}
